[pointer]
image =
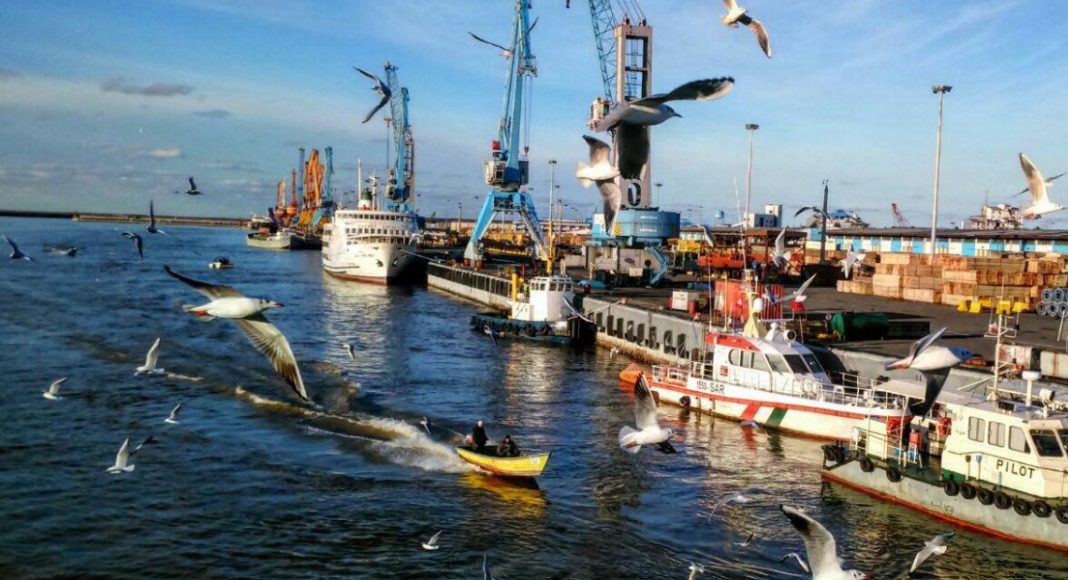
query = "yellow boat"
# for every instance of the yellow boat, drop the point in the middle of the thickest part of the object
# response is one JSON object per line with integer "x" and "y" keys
{"x": 526, "y": 465}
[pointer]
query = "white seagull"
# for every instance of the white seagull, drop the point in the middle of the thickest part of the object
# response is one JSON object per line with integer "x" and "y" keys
{"x": 633, "y": 118}
{"x": 16, "y": 253}
{"x": 138, "y": 241}
{"x": 432, "y": 543}
{"x": 779, "y": 255}
{"x": 380, "y": 88}
{"x": 149, "y": 368}
{"x": 52, "y": 394}
{"x": 819, "y": 212}
{"x": 925, "y": 357}
{"x": 486, "y": 574}
{"x": 1039, "y": 188}
{"x": 425, "y": 422}
{"x": 820, "y": 547}
{"x": 936, "y": 547}
{"x": 122, "y": 459}
{"x": 601, "y": 172}
{"x": 173, "y": 418}
{"x": 799, "y": 294}
{"x": 350, "y": 350}
{"x": 152, "y": 229}
{"x": 192, "y": 188}
{"x": 852, "y": 258}
{"x": 737, "y": 15}
{"x": 797, "y": 558}
{"x": 247, "y": 313}
{"x": 649, "y": 431}
{"x": 747, "y": 541}
{"x": 694, "y": 571}
{"x": 738, "y": 498}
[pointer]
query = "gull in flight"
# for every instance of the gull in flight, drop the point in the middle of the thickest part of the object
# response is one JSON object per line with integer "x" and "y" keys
{"x": 601, "y": 172}
{"x": 799, "y": 294}
{"x": 380, "y": 88}
{"x": 138, "y": 241}
{"x": 151, "y": 358}
{"x": 505, "y": 52}
{"x": 493, "y": 335}
{"x": 925, "y": 357}
{"x": 351, "y": 351}
{"x": 797, "y": 558}
{"x": 192, "y": 188}
{"x": 432, "y": 543}
{"x": 819, "y": 212}
{"x": 852, "y": 258}
{"x": 739, "y": 498}
{"x": 780, "y": 256}
{"x": 737, "y": 15}
{"x": 173, "y": 418}
{"x": 425, "y": 422}
{"x": 747, "y": 541}
{"x": 936, "y": 547}
{"x": 52, "y": 394}
{"x": 820, "y": 547}
{"x": 1039, "y": 188}
{"x": 152, "y": 229}
{"x": 122, "y": 460}
{"x": 649, "y": 431}
{"x": 694, "y": 571}
{"x": 16, "y": 253}
{"x": 247, "y": 313}
{"x": 486, "y": 574}
{"x": 633, "y": 118}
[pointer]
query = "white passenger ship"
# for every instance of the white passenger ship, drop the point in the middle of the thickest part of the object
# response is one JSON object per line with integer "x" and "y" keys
{"x": 371, "y": 245}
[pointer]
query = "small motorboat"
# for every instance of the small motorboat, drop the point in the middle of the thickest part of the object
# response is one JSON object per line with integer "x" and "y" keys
{"x": 221, "y": 263}
{"x": 527, "y": 464}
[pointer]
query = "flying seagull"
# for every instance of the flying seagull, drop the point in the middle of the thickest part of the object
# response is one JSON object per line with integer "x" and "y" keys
{"x": 694, "y": 571}
{"x": 747, "y": 541}
{"x": 52, "y": 394}
{"x": 852, "y": 258}
{"x": 140, "y": 445}
{"x": 425, "y": 422}
{"x": 797, "y": 558}
{"x": 505, "y": 52}
{"x": 780, "y": 256}
{"x": 16, "y": 253}
{"x": 799, "y": 294}
{"x": 152, "y": 229}
{"x": 138, "y": 241}
{"x": 173, "y": 418}
{"x": 925, "y": 357}
{"x": 351, "y": 351}
{"x": 601, "y": 172}
{"x": 649, "y": 431}
{"x": 632, "y": 119}
{"x": 738, "y": 498}
{"x": 149, "y": 368}
{"x": 247, "y": 313}
{"x": 936, "y": 547}
{"x": 192, "y": 188}
{"x": 122, "y": 459}
{"x": 380, "y": 88}
{"x": 812, "y": 209}
{"x": 486, "y": 574}
{"x": 1039, "y": 188}
{"x": 432, "y": 543}
{"x": 493, "y": 335}
{"x": 737, "y": 15}
{"x": 820, "y": 547}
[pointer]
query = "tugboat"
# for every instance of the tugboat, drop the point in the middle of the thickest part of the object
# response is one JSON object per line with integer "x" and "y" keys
{"x": 970, "y": 460}
{"x": 548, "y": 314}
{"x": 766, "y": 376}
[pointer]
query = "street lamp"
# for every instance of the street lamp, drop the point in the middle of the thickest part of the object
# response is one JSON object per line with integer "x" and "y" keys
{"x": 751, "y": 127}
{"x": 941, "y": 91}
{"x": 550, "y": 258}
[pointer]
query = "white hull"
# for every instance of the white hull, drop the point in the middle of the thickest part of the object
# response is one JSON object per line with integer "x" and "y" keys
{"x": 278, "y": 241}
{"x": 370, "y": 262}
{"x": 366, "y": 245}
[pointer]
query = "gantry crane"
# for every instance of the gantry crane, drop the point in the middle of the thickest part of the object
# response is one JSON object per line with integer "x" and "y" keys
{"x": 507, "y": 170}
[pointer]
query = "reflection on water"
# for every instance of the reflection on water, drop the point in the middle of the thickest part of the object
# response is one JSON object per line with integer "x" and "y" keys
{"x": 256, "y": 484}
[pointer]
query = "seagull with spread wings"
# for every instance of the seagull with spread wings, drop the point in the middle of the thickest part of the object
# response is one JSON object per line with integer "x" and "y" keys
{"x": 601, "y": 172}
{"x": 737, "y": 15}
{"x": 820, "y": 547}
{"x": 649, "y": 431}
{"x": 16, "y": 253}
{"x": 152, "y": 229}
{"x": 1039, "y": 188}
{"x": 380, "y": 88}
{"x": 247, "y": 313}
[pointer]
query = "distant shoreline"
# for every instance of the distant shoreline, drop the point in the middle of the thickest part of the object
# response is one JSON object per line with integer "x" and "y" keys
{"x": 223, "y": 222}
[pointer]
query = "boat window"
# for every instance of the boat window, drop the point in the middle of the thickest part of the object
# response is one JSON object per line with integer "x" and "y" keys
{"x": 796, "y": 364}
{"x": 1017, "y": 441}
{"x": 1064, "y": 437}
{"x": 995, "y": 434}
{"x": 760, "y": 363}
{"x": 777, "y": 364}
{"x": 813, "y": 363}
{"x": 976, "y": 427}
{"x": 1046, "y": 443}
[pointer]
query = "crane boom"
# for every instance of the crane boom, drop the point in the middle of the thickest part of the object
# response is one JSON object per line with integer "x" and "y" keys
{"x": 400, "y": 185}
{"x": 604, "y": 22}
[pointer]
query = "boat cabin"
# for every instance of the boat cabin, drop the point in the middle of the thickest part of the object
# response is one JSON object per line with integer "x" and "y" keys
{"x": 548, "y": 298}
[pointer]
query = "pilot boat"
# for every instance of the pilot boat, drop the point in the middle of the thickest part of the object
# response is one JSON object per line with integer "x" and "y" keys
{"x": 546, "y": 312}
{"x": 996, "y": 462}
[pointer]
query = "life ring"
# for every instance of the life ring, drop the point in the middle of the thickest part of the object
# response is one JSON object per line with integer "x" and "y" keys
{"x": 1041, "y": 509}
{"x": 986, "y": 497}
{"x": 893, "y": 474}
{"x": 951, "y": 487}
{"x": 867, "y": 465}
{"x": 945, "y": 424}
{"x": 684, "y": 401}
{"x": 968, "y": 491}
{"x": 1022, "y": 506}
{"x": 1062, "y": 514}
{"x": 1002, "y": 500}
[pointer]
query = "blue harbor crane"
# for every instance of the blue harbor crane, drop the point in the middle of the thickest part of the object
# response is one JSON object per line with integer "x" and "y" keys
{"x": 507, "y": 170}
{"x": 400, "y": 185}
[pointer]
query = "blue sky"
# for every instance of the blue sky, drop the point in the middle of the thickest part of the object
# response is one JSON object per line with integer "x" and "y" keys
{"x": 104, "y": 105}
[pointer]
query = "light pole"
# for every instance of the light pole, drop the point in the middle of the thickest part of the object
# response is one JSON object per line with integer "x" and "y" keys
{"x": 659, "y": 197}
{"x": 549, "y": 258}
{"x": 941, "y": 91}
{"x": 751, "y": 127}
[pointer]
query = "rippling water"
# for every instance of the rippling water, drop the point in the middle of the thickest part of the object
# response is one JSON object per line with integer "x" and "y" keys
{"x": 254, "y": 484}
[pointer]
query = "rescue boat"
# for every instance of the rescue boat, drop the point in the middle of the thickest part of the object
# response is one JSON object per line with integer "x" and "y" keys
{"x": 527, "y": 464}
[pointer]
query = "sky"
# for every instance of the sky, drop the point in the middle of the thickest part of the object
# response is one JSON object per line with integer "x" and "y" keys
{"x": 105, "y": 105}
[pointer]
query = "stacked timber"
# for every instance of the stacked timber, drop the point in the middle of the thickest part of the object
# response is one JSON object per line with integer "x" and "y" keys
{"x": 856, "y": 286}
{"x": 1014, "y": 278}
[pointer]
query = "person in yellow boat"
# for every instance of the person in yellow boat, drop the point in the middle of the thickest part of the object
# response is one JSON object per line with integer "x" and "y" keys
{"x": 507, "y": 448}
{"x": 478, "y": 436}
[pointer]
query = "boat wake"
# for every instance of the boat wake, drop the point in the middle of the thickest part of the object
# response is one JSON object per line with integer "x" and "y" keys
{"x": 382, "y": 439}
{"x": 181, "y": 377}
